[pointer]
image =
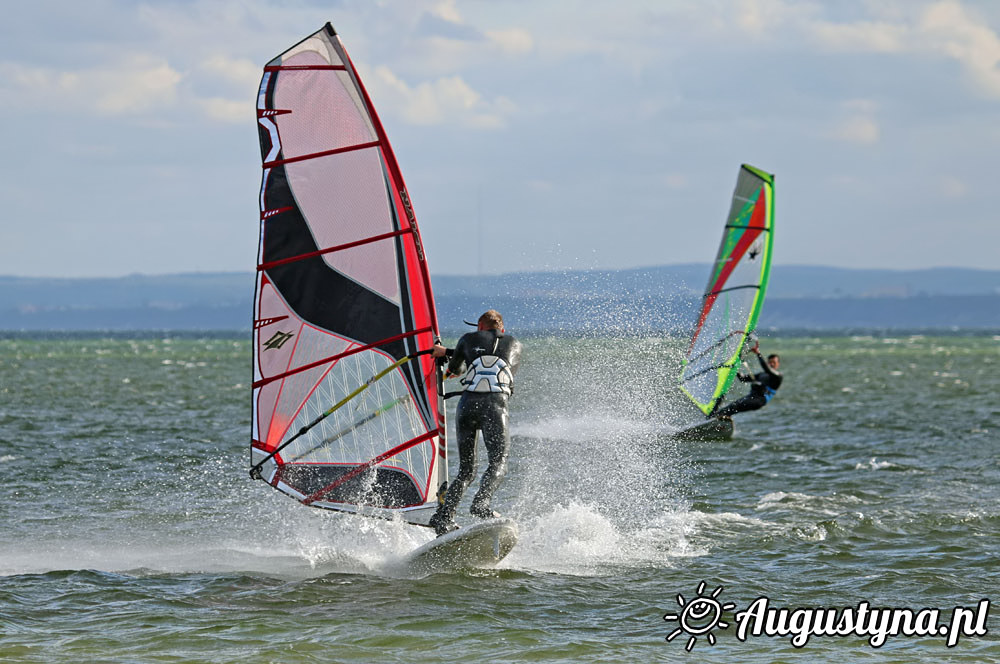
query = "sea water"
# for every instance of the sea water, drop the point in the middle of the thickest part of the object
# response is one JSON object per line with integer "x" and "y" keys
{"x": 133, "y": 533}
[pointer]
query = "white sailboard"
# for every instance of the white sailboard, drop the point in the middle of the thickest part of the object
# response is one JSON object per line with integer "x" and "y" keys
{"x": 482, "y": 545}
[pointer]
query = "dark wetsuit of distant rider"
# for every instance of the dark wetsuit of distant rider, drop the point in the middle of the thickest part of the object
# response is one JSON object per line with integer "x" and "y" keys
{"x": 491, "y": 358}
{"x": 763, "y": 386}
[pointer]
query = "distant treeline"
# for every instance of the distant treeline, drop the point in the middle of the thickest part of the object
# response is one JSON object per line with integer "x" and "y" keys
{"x": 641, "y": 301}
{"x": 540, "y": 314}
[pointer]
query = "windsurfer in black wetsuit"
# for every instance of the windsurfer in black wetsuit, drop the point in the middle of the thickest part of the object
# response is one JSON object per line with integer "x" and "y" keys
{"x": 763, "y": 386}
{"x": 491, "y": 358}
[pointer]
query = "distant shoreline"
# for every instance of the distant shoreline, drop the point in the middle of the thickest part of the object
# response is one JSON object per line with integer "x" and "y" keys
{"x": 637, "y": 301}
{"x": 244, "y": 335}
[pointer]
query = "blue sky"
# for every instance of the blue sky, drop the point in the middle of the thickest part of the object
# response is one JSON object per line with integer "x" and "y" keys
{"x": 533, "y": 135}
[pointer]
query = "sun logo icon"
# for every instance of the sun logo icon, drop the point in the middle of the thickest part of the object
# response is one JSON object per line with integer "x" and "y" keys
{"x": 699, "y": 616}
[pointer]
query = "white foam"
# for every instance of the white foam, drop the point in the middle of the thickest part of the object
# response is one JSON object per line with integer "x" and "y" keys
{"x": 874, "y": 464}
{"x": 592, "y": 426}
{"x": 822, "y": 505}
{"x": 579, "y": 539}
{"x": 291, "y": 542}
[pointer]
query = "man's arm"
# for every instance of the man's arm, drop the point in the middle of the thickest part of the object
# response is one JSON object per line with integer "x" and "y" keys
{"x": 764, "y": 365}
{"x": 456, "y": 359}
{"x": 438, "y": 351}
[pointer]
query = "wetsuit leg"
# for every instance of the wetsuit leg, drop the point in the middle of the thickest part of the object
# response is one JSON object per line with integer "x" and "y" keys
{"x": 497, "y": 441}
{"x": 467, "y": 425}
{"x": 749, "y": 402}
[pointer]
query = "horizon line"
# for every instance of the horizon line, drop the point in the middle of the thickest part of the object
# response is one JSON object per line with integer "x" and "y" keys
{"x": 495, "y": 275}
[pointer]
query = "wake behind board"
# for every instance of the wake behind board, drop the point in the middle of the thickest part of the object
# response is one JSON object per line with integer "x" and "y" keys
{"x": 482, "y": 545}
{"x": 713, "y": 429}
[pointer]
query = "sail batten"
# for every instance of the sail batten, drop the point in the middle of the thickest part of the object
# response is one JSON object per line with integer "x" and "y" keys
{"x": 325, "y": 153}
{"x": 328, "y": 250}
{"x": 271, "y": 68}
{"x": 334, "y": 358}
{"x": 734, "y": 296}
{"x": 348, "y": 406}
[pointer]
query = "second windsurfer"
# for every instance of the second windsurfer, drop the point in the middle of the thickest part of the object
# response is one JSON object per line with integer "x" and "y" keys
{"x": 763, "y": 386}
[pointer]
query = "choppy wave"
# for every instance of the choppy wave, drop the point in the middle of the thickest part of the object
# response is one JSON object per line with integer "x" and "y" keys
{"x": 852, "y": 484}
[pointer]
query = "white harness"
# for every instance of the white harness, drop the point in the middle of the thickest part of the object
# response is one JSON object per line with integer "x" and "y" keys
{"x": 489, "y": 373}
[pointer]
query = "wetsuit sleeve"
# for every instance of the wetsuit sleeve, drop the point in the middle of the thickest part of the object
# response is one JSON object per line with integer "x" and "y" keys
{"x": 457, "y": 360}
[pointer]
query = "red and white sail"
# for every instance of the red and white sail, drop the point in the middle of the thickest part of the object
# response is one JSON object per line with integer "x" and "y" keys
{"x": 343, "y": 293}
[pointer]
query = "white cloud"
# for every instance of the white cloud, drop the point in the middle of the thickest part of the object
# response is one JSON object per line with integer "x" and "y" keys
{"x": 762, "y": 18}
{"x": 942, "y": 28}
{"x": 444, "y": 100}
{"x": 514, "y": 40}
{"x": 143, "y": 84}
{"x": 859, "y": 125}
{"x": 239, "y": 71}
{"x": 865, "y": 36}
{"x": 235, "y": 111}
{"x": 140, "y": 84}
{"x": 232, "y": 83}
{"x": 447, "y": 10}
{"x": 858, "y": 129}
{"x": 947, "y": 28}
